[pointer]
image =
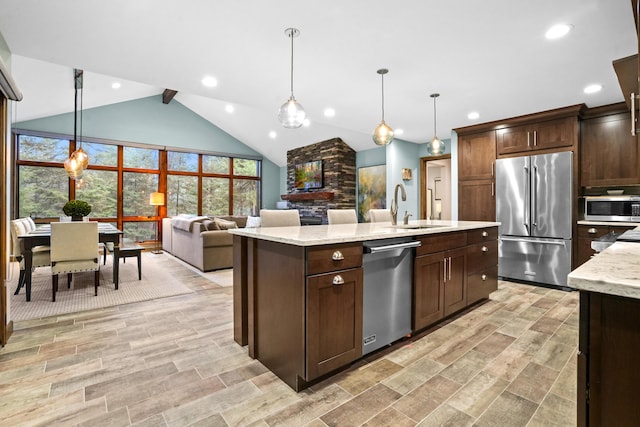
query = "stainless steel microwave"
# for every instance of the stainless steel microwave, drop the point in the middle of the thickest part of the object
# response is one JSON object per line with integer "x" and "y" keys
{"x": 612, "y": 208}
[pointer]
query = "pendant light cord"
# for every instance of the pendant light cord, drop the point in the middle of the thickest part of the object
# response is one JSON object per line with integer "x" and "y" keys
{"x": 435, "y": 131}
{"x": 382, "y": 75}
{"x": 291, "y": 33}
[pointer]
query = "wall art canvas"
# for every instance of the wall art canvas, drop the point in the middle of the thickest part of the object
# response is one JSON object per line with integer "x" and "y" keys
{"x": 372, "y": 190}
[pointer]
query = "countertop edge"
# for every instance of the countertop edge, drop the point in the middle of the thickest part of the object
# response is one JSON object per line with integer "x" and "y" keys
{"x": 316, "y": 235}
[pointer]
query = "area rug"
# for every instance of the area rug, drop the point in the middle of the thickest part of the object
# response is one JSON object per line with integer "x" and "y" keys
{"x": 157, "y": 282}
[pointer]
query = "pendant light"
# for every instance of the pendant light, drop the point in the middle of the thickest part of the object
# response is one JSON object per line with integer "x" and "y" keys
{"x": 382, "y": 134}
{"x": 436, "y": 146}
{"x": 79, "y": 159}
{"x": 291, "y": 114}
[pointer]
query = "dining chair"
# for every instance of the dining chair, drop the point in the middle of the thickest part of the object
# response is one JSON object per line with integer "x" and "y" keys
{"x": 342, "y": 216}
{"x": 40, "y": 254}
{"x": 74, "y": 249}
{"x": 279, "y": 218}
{"x": 379, "y": 215}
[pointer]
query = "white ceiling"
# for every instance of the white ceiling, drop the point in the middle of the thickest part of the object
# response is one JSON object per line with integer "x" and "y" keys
{"x": 488, "y": 56}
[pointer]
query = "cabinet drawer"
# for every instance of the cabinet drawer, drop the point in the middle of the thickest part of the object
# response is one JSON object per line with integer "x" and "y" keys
{"x": 481, "y": 256}
{"x": 323, "y": 259}
{"x": 482, "y": 235}
{"x": 481, "y": 284}
{"x": 592, "y": 231}
{"x": 441, "y": 242}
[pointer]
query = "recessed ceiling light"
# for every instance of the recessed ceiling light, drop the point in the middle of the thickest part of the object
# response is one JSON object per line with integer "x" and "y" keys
{"x": 272, "y": 135}
{"x": 209, "y": 81}
{"x": 473, "y": 115}
{"x": 115, "y": 85}
{"x": 558, "y": 31}
{"x": 329, "y": 112}
{"x": 306, "y": 123}
{"x": 229, "y": 108}
{"x": 398, "y": 131}
{"x": 593, "y": 88}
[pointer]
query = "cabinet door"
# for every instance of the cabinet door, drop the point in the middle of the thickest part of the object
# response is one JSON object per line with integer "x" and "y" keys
{"x": 481, "y": 284}
{"x": 554, "y": 134}
{"x": 428, "y": 290}
{"x": 476, "y": 200}
{"x": 514, "y": 139}
{"x": 334, "y": 321}
{"x": 476, "y": 156}
{"x": 609, "y": 153}
{"x": 455, "y": 281}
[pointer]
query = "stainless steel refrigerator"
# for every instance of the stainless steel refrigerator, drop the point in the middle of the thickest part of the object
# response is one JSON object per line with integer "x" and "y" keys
{"x": 533, "y": 205}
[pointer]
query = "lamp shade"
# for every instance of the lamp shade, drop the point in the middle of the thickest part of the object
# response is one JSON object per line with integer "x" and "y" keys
{"x": 156, "y": 199}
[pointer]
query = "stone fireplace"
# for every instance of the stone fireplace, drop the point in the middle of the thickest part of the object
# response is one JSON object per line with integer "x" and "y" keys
{"x": 339, "y": 179}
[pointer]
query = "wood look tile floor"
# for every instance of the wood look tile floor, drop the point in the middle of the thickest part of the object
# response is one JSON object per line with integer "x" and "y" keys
{"x": 173, "y": 362}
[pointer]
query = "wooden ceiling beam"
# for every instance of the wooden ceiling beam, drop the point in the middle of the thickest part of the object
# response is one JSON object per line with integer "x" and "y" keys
{"x": 168, "y": 95}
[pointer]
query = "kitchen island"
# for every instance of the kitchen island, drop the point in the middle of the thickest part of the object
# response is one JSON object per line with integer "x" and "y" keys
{"x": 298, "y": 291}
{"x": 609, "y": 337}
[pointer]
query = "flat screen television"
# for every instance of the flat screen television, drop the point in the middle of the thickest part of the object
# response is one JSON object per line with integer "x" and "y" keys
{"x": 308, "y": 175}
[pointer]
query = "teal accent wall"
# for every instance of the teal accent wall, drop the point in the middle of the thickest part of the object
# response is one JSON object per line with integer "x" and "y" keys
{"x": 402, "y": 154}
{"x": 149, "y": 121}
{"x": 372, "y": 157}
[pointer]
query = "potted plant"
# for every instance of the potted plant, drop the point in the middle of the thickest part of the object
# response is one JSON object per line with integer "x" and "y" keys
{"x": 76, "y": 209}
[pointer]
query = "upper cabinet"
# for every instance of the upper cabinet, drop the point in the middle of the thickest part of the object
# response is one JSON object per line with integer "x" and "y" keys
{"x": 477, "y": 155}
{"x": 609, "y": 153}
{"x": 537, "y": 136}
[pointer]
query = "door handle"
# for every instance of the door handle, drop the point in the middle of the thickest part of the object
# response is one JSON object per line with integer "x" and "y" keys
{"x": 534, "y": 198}
{"x": 485, "y": 249}
{"x": 592, "y": 230}
{"x": 633, "y": 114}
{"x": 444, "y": 270}
{"x": 492, "y": 162}
{"x": 528, "y": 139}
{"x": 337, "y": 256}
{"x": 535, "y": 138}
{"x": 449, "y": 268}
{"x": 338, "y": 280}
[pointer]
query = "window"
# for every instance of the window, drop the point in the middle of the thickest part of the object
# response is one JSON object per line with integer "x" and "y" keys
{"x": 194, "y": 183}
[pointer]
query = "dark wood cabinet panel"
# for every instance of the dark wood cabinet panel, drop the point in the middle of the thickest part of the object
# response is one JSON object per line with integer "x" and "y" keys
{"x": 609, "y": 153}
{"x": 481, "y": 284}
{"x": 608, "y": 375}
{"x": 537, "y": 136}
{"x": 455, "y": 281}
{"x": 334, "y": 321}
{"x": 477, "y": 156}
{"x": 476, "y": 200}
{"x": 428, "y": 292}
{"x": 322, "y": 259}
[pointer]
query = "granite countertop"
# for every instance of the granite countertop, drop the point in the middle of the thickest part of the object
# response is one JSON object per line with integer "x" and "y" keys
{"x": 313, "y": 235}
{"x": 615, "y": 271}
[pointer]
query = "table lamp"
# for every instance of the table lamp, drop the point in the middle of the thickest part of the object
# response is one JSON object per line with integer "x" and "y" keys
{"x": 156, "y": 199}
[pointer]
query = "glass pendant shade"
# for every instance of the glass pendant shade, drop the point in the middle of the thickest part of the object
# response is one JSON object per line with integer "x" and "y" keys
{"x": 291, "y": 115}
{"x": 382, "y": 134}
{"x": 73, "y": 166}
{"x": 82, "y": 157}
{"x": 436, "y": 147}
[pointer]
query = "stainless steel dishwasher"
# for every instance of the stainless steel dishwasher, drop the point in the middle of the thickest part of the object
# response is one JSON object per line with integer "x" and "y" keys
{"x": 388, "y": 277}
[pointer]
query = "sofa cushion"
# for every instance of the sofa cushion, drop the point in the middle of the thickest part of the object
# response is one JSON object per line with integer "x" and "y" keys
{"x": 223, "y": 224}
{"x": 210, "y": 224}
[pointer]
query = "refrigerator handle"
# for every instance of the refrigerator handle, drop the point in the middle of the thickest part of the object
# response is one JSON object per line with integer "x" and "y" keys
{"x": 526, "y": 199}
{"x": 534, "y": 198}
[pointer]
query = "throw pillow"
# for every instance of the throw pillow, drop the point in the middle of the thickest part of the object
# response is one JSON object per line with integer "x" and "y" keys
{"x": 223, "y": 224}
{"x": 253, "y": 222}
{"x": 210, "y": 225}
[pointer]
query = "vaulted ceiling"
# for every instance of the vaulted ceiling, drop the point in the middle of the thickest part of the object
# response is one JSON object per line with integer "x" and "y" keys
{"x": 487, "y": 56}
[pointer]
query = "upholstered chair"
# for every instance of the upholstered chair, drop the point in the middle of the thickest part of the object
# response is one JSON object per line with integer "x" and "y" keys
{"x": 279, "y": 218}
{"x": 74, "y": 249}
{"x": 342, "y": 216}
{"x": 40, "y": 254}
{"x": 379, "y": 215}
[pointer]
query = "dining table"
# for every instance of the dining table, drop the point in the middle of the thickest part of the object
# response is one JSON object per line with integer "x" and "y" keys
{"x": 41, "y": 236}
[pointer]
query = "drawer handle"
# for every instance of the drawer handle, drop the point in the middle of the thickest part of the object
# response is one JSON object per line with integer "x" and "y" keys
{"x": 485, "y": 234}
{"x": 338, "y": 280}
{"x": 485, "y": 249}
{"x": 337, "y": 256}
{"x": 592, "y": 231}
{"x": 484, "y": 277}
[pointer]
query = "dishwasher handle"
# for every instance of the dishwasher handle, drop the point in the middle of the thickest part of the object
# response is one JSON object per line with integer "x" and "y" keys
{"x": 385, "y": 248}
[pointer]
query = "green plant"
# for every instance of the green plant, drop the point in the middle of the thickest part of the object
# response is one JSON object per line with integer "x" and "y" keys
{"x": 76, "y": 208}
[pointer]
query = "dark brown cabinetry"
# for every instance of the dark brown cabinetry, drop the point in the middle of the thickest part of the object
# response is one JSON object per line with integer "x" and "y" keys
{"x": 589, "y": 233}
{"x": 439, "y": 278}
{"x": 537, "y": 136}
{"x": 610, "y": 155}
{"x": 482, "y": 263}
{"x": 334, "y": 321}
{"x": 608, "y": 374}
{"x": 476, "y": 176}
